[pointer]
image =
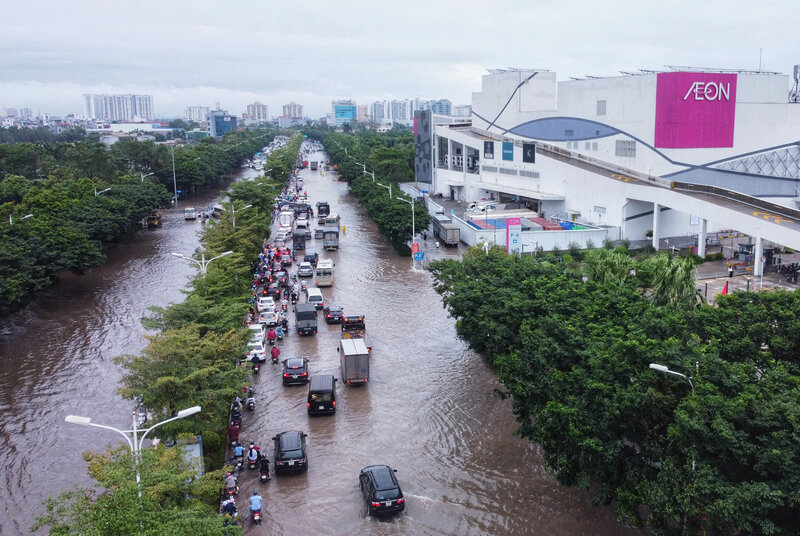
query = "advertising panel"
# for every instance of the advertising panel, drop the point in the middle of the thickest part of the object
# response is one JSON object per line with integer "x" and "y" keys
{"x": 513, "y": 235}
{"x": 695, "y": 110}
{"x": 508, "y": 151}
{"x": 423, "y": 146}
{"x": 488, "y": 149}
{"x": 529, "y": 153}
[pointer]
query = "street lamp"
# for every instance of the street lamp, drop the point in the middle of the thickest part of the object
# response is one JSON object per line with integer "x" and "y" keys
{"x": 145, "y": 176}
{"x": 665, "y": 370}
{"x": 96, "y": 193}
{"x": 136, "y": 444}
{"x": 233, "y": 211}
{"x": 387, "y": 187}
{"x": 413, "y": 224}
{"x": 202, "y": 263}
{"x": 174, "y": 177}
{"x": 26, "y": 216}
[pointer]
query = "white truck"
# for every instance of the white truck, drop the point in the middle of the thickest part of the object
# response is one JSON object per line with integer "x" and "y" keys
{"x": 354, "y": 357}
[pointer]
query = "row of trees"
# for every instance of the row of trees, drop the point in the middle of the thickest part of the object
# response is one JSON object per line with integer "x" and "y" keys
{"x": 715, "y": 452}
{"x": 58, "y": 186}
{"x": 390, "y": 156}
{"x": 191, "y": 361}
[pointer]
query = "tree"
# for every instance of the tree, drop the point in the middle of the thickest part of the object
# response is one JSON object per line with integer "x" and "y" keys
{"x": 174, "y": 501}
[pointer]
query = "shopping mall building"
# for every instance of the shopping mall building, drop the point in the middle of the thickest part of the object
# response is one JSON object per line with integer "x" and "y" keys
{"x": 674, "y": 153}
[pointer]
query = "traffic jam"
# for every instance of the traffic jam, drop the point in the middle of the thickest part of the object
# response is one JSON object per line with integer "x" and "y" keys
{"x": 287, "y": 301}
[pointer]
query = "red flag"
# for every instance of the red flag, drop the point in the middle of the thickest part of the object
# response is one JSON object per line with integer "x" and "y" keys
{"x": 725, "y": 289}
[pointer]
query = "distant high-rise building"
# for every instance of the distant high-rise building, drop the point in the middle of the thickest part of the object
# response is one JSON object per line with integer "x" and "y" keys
{"x": 293, "y": 110}
{"x": 258, "y": 112}
{"x": 441, "y": 106}
{"x": 344, "y": 111}
{"x": 380, "y": 111}
{"x": 11, "y": 112}
{"x": 400, "y": 110}
{"x": 196, "y": 113}
{"x": 118, "y": 107}
{"x": 361, "y": 113}
{"x": 25, "y": 112}
{"x": 219, "y": 123}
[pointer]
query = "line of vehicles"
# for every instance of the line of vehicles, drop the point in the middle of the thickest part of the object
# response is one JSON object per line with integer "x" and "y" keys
{"x": 377, "y": 483}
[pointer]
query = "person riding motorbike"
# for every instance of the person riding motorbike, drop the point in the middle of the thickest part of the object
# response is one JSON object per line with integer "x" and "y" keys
{"x": 280, "y": 332}
{"x": 271, "y": 336}
{"x": 229, "y": 511}
{"x": 230, "y": 483}
{"x": 253, "y": 453}
{"x": 233, "y": 433}
{"x": 255, "y": 502}
{"x": 276, "y": 353}
{"x": 264, "y": 466}
{"x": 238, "y": 450}
{"x": 285, "y": 323}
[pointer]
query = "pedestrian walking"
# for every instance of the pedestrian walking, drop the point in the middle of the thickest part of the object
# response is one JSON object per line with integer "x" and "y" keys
{"x": 730, "y": 270}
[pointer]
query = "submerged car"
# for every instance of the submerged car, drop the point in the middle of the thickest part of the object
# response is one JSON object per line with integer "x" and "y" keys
{"x": 295, "y": 371}
{"x": 290, "y": 452}
{"x": 380, "y": 490}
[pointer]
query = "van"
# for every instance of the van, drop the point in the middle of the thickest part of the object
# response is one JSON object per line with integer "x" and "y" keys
{"x": 315, "y": 297}
{"x": 305, "y": 319}
{"x": 322, "y": 395}
{"x": 189, "y": 213}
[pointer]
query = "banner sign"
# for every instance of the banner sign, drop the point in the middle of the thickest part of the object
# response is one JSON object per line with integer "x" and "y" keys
{"x": 513, "y": 235}
{"x": 423, "y": 146}
{"x": 488, "y": 149}
{"x": 508, "y": 151}
{"x": 529, "y": 153}
{"x": 695, "y": 110}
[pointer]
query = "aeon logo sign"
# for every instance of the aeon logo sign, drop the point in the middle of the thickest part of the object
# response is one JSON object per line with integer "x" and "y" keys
{"x": 695, "y": 110}
{"x": 709, "y": 91}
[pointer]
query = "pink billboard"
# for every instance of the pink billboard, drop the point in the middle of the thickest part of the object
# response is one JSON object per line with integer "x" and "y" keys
{"x": 695, "y": 110}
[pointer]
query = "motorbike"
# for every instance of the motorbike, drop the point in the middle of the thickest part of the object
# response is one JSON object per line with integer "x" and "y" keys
{"x": 284, "y": 305}
{"x": 294, "y": 298}
{"x": 265, "y": 476}
{"x": 250, "y": 403}
{"x": 256, "y": 366}
{"x": 275, "y": 356}
{"x": 236, "y": 418}
{"x": 257, "y": 517}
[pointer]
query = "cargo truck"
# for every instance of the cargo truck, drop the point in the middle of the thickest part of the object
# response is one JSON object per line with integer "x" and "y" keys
{"x": 313, "y": 166}
{"x": 445, "y": 230}
{"x": 299, "y": 239}
{"x": 354, "y": 358}
{"x": 330, "y": 238}
{"x": 354, "y": 327}
{"x": 305, "y": 316}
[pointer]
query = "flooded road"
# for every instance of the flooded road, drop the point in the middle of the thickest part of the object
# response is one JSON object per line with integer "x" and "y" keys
{"x": 428, "y": 411}
{"x": 57, "y": 359}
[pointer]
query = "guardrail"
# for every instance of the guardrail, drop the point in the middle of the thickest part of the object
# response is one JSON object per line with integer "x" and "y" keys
{"x": 768, "y": 206}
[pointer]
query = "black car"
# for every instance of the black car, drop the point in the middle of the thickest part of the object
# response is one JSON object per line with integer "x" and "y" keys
{"x": 317, "y": 233}
{"x": 274, "y": 290}
{"x": 333, "y": 314}
{"x": 281, "y": 277}
{"x": 380, "y": 490}
{"x": 290, "y": 452}
{"x": 308, "y": 233}
{"x": 311, "y": 257}
{"x": 295, "y": 371}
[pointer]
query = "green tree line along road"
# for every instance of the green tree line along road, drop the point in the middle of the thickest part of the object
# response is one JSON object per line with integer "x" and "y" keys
{"x": 390, "y": 156}
{"x": 572, "y": 344}
{"x": 57, "y": 185}
{"x": 190, "y": 361}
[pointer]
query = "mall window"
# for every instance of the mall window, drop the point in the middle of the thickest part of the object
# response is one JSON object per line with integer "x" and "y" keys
{"x": 601, "y": 107}
{"x": 626, "y": 148}
{"x": 587, "y": 146}
{"x": 594, "y": 146}
{"x": 569, "y": 133}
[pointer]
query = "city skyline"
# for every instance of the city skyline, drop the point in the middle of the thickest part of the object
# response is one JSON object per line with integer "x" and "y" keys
{"x": 421, "y": 51}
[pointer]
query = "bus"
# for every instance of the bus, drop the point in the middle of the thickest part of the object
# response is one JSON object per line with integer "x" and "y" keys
{"x": 331, "y": 220}
{"x": 324, "y": 273}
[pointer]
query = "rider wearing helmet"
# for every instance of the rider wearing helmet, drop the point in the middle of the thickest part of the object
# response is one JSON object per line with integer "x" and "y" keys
{"x": 255, "y": 502}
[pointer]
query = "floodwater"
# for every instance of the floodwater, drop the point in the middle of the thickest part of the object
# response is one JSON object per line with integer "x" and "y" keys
{"x": 56, "y": 358}
{"x": 428, "y": 410}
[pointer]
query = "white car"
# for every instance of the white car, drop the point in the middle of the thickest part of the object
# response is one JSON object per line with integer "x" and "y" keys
{"x": 305, "y": 270}
{"x": 282, "y": 235}
{"x": 270, "y": 318}
{"x": 257, "y": 348}
{"x": 258, "y": 332}
{"x": 265, "y": 303}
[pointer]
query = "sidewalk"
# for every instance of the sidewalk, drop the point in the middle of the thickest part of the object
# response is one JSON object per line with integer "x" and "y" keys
{"x": 712, "y": 276}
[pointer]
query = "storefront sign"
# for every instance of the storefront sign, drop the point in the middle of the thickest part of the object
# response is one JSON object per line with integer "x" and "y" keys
{"x": 513, "y": 235}
{"x": 508, "y": 151}
{"x": 488, "y": 149}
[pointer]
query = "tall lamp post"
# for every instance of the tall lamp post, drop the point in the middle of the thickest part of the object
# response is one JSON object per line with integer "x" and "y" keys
{"x": 145, "y": 176}
{"x": 202, "y": 263}
{"x": 664, "y": 369}
{"x": 234, "y": 211}
{"x": 413, "y": 224}
{"x": 96, "y": 193}
{"x": 25, "y": 217}
{"x": 137, "y": 442}
{"x": 174, "y": 177}
{"x": 387, "y": 187}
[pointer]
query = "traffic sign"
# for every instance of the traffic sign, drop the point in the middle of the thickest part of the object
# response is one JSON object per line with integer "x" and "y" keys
{"x": 179, "y": 191}
{"x": 419, "y": 256}
{"x": 415, "y": 247}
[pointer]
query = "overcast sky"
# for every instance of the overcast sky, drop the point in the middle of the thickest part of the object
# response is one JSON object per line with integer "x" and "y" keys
{"x": 235, "y": 52}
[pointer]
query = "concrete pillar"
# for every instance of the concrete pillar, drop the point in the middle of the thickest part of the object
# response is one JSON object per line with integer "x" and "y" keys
{"x": 758, "y": 266}
{"x": 656, "y": 219}
{"x": 701, "y": 238}
{"x": 449, "y": 154}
